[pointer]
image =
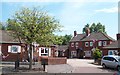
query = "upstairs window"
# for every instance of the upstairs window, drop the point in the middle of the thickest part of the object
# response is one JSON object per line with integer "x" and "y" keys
{"x": 77, "y": 44}
{"x": 91, "y": 44}
{"x": 14, "y": 49}
{"x": 72, "y": 44}
{"x": 100, "y": 43}
{"x": 86, "y": 44}
{"x": 104, "y": 43}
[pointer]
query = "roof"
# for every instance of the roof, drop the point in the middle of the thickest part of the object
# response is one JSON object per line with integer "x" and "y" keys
{"x": 5, "y": 37}
{"x": 115, "y": 44}
{"x": 78, "y": 37}
{"x": 62, "y": 47}
{"x": 98, "y": 36}
{"x": 92, "y": 36}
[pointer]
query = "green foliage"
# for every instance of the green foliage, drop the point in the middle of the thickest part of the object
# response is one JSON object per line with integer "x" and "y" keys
{"x": 95, "y": 28}
{"x": 66, "y": 39}
{"x": 33, "y": 25}
{"x": 62, "y": 40}
{"x": 97, "y": 53}
{"x": 2, "y": 27}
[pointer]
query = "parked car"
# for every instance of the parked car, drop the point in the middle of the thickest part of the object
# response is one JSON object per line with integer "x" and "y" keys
{"x": 111, "y": 61}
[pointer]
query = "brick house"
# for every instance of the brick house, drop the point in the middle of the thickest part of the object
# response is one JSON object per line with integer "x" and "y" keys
{"x": 11, "y": 48}
{"x": 82, "y": 45}
{"x": 112, "y": 49}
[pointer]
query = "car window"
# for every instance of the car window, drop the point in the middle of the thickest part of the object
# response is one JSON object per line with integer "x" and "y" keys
{"x": 106, "y": 58}
{"x": 109, "y": 58}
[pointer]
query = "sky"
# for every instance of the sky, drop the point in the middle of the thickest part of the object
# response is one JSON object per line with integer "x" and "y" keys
{"x": 72, "y": 14}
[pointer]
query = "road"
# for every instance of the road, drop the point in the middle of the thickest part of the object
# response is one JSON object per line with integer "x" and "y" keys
{"x": 87, "y": 66}
{"x": 78, "y": 66}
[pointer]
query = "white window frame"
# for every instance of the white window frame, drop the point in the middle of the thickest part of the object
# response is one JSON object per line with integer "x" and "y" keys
{"x": 91, "y": 44}
{"x": 112, "y": 51}
{"x": 104, "y": 43}
{"x": 72, "y": 44}
{"x": 10, "y": 49}
{"x": 86, "y": 44}
{"x": 44, "y": 53}
{"x": 100, "y": 43}
{"x": 77, "y": 44}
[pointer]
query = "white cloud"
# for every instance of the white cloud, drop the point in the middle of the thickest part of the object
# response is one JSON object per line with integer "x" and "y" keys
{"x": 108, "y": 10}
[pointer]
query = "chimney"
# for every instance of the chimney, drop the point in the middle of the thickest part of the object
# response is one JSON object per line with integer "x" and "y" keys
{"x": 75, "y": 33}
{"x": 118, "y": 36}
{"x": 87, "y": 31}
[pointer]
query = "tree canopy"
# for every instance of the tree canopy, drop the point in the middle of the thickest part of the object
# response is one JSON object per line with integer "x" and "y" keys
{"x": 62, "y": 40}
{"x": 95, "y": 28}
{"x": 2, "y": 27}
{"x": 33, "y": 25}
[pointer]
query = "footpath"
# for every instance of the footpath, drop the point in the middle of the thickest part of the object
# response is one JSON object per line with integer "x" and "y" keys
{"x": 8, "y": 68}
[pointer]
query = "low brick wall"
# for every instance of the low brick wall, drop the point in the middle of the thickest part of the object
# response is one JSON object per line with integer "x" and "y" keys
{"x": 54, "y": 60}
{"x": 57, "y": 60}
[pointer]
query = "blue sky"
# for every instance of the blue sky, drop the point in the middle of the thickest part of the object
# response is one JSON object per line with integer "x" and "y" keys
{"x": 72, "y": 14}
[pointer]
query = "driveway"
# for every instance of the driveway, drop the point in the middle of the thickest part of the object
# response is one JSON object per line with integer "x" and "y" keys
{"x": 87, "y": 66}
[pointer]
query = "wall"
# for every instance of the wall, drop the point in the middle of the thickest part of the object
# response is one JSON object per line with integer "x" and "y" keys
{"x": 12, "y": 56}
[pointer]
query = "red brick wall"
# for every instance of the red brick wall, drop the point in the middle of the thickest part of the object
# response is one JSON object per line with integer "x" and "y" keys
{"x": 54, "y": 60}
{"x": 12, "y": 56}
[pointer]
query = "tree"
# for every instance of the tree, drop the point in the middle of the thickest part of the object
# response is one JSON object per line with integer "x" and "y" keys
{"x": 33, "y": 25}
{"x": 62, "y": 40}
{"x": 86, "y": 26}
{"x": 66, "y": 39}
{"x": 2, "y": 27}
{"x": 95, "y": 28}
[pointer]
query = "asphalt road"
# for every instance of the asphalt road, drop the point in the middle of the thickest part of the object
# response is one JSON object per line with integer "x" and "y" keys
{"x": 87, "y": 66}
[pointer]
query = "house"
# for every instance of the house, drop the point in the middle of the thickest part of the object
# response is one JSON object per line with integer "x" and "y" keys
{"x": 63, "y": 51}
{"x": 83, "y": 45}
{"x": 113, "y": 48}
{"x": 10, "y": 48}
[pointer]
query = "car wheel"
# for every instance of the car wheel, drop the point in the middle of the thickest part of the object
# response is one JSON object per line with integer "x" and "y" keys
{"x": 118, "y": 68}
{"x": 104, "y": 66}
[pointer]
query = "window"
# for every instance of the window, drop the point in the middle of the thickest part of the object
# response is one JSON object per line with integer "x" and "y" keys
{"x": 44, "y": 51}
{"x": 72, "y": 44}
{"x": 113, "y": 52}
{"x": 77, "y": 44}
{"x": 91, "y": 44}
{"x": 100, "y": 43}
{"x": 104, "y": 43}
{"x": 87, "y": 53}
{"x": 14, "y": 49}
{"x": 86, "y": 44}
{"x": 73, "y": 53}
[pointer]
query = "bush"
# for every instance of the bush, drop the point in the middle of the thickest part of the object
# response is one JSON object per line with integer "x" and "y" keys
{"x": 97, "y": 53}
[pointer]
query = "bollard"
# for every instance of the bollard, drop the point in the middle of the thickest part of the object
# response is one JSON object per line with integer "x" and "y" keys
{"x": 17, "y": 64}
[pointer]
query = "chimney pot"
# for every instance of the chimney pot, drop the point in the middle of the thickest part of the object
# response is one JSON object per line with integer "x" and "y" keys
{"x": 87, "y": 31}
{"x": 118, "y": 36}
{"x": 75, "y": 33}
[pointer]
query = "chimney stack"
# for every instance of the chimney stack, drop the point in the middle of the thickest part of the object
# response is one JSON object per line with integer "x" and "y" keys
{"x": 118, "y": 36}
{"x": 87, "y": 31}
{"x": 75, "y": 33}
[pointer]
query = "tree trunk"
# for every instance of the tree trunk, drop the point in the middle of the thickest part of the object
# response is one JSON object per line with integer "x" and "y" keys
{"x": 30, "y": 58}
